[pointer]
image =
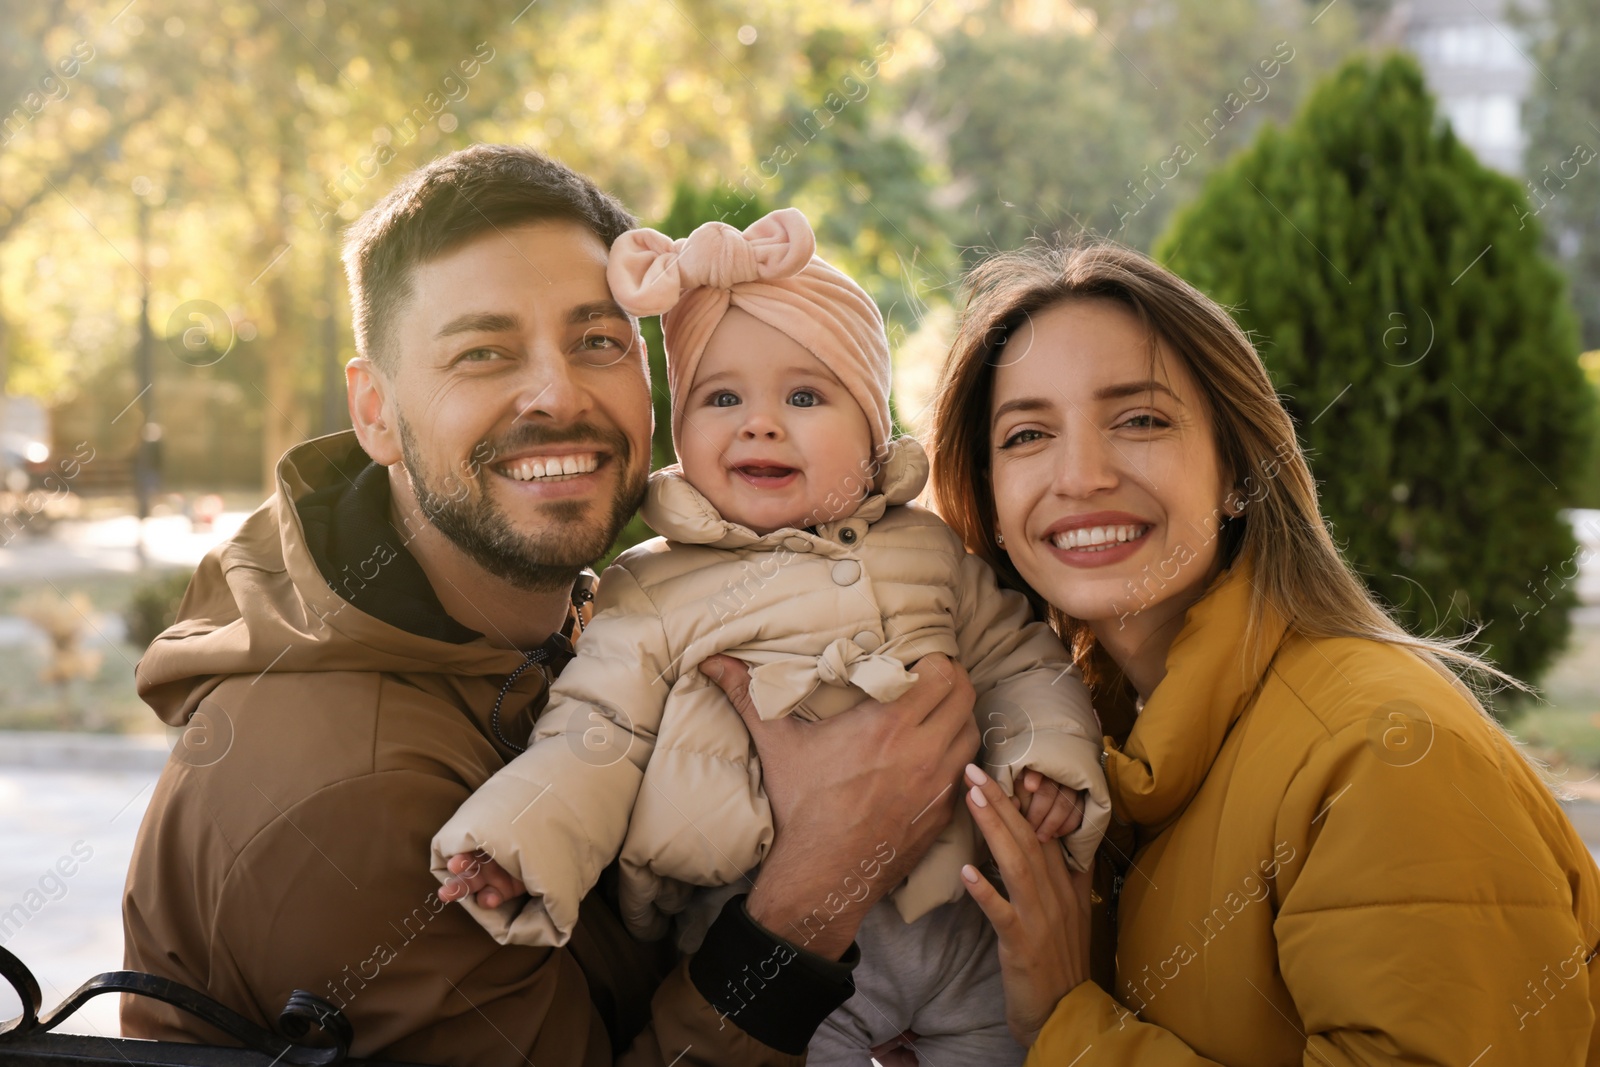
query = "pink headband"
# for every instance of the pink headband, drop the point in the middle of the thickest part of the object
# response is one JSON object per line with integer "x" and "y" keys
{"x": 770, "y": 271}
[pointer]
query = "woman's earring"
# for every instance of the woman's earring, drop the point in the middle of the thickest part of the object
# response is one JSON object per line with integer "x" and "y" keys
{"x": 1000, "y": 539}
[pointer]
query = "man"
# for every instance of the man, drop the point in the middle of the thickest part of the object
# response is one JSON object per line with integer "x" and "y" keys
{"x": 376, "y": 641}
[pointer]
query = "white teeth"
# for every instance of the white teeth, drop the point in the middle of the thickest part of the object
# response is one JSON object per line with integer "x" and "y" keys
{"x": 553, "y": 466}
{"x": 1097, "y": 538}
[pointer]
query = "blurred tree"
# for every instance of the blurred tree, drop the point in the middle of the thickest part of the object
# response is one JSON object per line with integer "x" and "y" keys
{"x": 1014, "y": 107}
{"x": 63, "y": 113}
{"x": 1562, "y": 160}
{"x": 839, "y": 155}
{"x": 1423, "y": 345}
{"x": 1055, "y": 118}
{"x": 260, "y": 130}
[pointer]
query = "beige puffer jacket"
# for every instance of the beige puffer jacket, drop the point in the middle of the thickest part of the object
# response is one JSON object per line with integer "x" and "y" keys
{"x": 640, "y": 754}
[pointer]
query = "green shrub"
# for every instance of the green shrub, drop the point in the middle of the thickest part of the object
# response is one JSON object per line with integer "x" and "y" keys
{"x": 1425, "y": 347}
{"x": 154, "y": 606}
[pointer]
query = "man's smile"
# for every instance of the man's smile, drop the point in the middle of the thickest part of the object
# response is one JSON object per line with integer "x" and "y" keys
{"x": 551, "y": 468}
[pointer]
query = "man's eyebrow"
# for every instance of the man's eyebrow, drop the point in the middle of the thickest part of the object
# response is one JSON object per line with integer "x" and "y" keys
{"x": 1125, "y": 389}
{"x": 480, "y": 322}
{"x": 598, "y": 309}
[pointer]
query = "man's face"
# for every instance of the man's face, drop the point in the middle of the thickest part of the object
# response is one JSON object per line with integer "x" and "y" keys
{"x": 522, "y": 399}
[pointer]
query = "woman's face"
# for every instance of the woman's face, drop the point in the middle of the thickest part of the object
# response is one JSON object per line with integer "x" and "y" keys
{"x": 1107, "y": 483}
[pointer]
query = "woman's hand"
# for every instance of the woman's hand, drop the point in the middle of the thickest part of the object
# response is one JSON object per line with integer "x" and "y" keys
{"x": 1044, "y": 927}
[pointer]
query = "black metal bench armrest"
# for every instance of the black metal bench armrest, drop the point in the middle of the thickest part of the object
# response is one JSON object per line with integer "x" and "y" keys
{"x": 28, "y": 1037}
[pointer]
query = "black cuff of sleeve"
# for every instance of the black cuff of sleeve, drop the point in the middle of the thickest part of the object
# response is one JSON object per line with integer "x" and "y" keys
{"x": 772, "y": 990}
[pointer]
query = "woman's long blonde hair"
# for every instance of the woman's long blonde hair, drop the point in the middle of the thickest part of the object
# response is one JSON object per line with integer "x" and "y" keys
{"x": 1298, "y": 569}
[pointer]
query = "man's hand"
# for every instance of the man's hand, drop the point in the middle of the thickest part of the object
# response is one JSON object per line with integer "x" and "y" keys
{"x": 860, "y": 796}
{"x": 477, "y": 873}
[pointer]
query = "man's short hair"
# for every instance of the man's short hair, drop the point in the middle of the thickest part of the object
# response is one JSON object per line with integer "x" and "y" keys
{"x": 449, "y": 201}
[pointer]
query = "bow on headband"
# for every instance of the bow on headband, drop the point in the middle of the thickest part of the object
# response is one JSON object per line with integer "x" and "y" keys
{"x": 771, "y": 272}
{"x": 648, "y": 270}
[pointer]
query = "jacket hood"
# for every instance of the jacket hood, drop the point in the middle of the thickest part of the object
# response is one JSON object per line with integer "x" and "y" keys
{"x": 1211, "y": 678}
{"x": 679, "y": 512}
{"x": 258, "y": 602}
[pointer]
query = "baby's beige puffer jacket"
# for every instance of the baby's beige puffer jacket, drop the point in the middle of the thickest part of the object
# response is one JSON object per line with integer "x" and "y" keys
{"x": 641, "y": 756}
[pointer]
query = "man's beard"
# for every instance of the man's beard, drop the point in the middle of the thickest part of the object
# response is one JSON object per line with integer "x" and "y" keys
{"x": 543, "y": 563}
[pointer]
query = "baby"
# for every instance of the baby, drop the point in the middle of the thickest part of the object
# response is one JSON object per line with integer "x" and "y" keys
{"x": 788, "y": 541}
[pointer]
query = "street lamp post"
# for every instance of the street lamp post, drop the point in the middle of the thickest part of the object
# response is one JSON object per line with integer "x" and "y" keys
{"x": 147, "y": 456}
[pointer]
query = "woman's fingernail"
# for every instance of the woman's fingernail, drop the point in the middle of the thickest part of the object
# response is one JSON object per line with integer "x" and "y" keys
{"x": 975, "y": 774}
{"x": 977, "y": 797}
{"x": 712, "y": 668}
{"x": 970, "y": 873}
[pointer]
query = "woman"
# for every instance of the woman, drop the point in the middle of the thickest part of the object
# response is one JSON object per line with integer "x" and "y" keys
{"x": 1326, "y": 851}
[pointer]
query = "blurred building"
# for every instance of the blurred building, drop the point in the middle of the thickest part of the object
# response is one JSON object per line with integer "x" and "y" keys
{"x": 1476, "y": 57}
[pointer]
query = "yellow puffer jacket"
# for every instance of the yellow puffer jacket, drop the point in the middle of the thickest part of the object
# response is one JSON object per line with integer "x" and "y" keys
{"x": 1338, "y": 861}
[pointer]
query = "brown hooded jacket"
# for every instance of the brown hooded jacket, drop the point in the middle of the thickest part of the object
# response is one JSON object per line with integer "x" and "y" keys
{"x": 287, "y": 842}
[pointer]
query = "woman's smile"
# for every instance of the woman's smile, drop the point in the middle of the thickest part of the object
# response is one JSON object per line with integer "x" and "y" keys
{"x": 1097, "y": 540}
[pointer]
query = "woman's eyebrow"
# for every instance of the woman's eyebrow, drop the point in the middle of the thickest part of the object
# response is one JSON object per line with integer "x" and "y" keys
{"x": 1023, "y": 403}
{"x": 1125, "y": 389}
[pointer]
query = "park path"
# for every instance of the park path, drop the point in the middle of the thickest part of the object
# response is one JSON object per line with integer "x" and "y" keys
{"x": 70, "y": 807}
{"x": 112, "y": 545}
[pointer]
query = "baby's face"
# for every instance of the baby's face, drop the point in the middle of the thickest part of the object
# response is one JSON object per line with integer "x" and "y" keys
{"x": 769, "y": 435}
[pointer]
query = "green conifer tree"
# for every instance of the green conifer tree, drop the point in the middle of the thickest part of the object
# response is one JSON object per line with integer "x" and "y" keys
{"x": 1424, "y": 346}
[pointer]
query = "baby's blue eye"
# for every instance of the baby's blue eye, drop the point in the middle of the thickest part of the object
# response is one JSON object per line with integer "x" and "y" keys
{"x": 722, "y": 399}
{"x": 804, "y": 398}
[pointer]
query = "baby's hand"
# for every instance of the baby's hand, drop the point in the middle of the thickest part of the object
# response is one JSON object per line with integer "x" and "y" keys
{"x": 477, "y": 872}
{"x": 1051, "y": 808}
